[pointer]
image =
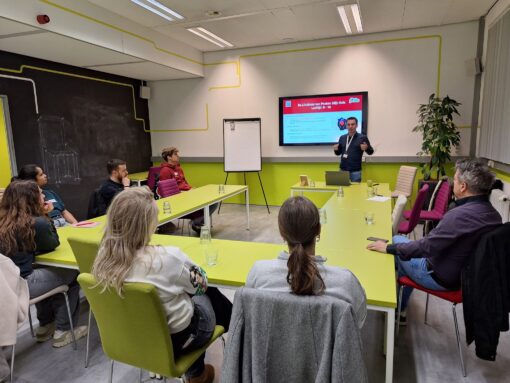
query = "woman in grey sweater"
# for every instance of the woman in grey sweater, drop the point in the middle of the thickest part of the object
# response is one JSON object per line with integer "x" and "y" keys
{"x": 300, "y": 270}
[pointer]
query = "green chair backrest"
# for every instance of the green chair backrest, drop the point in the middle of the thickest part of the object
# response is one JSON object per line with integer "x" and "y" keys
{"x": 133, "y": 328}
{"x": 85, "y": 251}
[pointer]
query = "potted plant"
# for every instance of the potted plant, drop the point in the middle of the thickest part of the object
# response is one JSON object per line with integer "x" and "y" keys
{"x": 435, "y": 122}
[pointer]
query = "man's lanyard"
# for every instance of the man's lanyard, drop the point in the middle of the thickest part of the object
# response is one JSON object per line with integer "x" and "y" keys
{"x": 348, "y": 142}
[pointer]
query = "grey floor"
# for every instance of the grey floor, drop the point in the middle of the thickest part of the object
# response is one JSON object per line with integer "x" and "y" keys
{"x": 423, "y": 353}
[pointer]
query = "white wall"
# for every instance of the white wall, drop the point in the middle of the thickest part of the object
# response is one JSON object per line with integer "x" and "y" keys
{"x": 399, "y": 70}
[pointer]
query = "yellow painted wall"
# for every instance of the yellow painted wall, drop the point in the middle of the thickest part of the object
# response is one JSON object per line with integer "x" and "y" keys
{"x": 5, "y": 165}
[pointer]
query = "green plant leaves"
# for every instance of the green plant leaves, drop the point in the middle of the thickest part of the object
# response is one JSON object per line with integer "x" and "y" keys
{"x": 439, "y": 133}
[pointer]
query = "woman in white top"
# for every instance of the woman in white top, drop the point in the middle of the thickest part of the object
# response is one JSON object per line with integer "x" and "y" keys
{"x": 300, "y": 271}
{"x": 126, "y": 256}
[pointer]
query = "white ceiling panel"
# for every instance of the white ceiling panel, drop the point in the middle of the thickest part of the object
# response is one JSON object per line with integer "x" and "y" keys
{"x": 8, "y": 27}
{"x": 53, "y": 47}
{"x": 419, "y": 13}
{"x": 464, "y": 10}
{"x": 382, "y": 15}
{"x": 144, "y": 71}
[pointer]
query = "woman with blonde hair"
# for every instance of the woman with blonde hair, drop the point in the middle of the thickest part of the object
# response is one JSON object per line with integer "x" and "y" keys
{"x": 125, "y": 255}
{"x": 26, "y": 231}
{"x": 299, "y": 270}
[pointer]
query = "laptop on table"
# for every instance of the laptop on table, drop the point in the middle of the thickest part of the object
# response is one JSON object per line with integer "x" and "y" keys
{"x": 337, "y": 178}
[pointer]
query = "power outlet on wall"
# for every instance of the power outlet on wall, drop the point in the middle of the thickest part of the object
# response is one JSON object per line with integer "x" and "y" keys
{"x": 490, "y": 163}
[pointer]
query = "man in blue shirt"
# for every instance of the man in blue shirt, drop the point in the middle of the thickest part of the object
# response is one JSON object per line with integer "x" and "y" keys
{"x": 350, "y": 148}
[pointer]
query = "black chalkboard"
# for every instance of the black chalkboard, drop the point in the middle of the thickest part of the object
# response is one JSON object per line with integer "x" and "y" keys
{"x": 82, "y": 123}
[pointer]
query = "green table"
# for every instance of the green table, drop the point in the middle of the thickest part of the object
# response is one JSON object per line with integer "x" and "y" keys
{"x": 342, "y": 241}
{"x": 139, "y": 177}
{"x": 319, "y": 186}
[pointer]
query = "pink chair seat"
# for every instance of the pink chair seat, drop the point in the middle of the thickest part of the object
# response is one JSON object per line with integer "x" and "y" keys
{"x": 425, "y": 215}
{"x": 454, "y": 296}
{"x": 440, "y": 205}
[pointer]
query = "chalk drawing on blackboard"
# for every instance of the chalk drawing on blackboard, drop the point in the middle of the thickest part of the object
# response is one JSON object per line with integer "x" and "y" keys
{"x": 60, "y": 161}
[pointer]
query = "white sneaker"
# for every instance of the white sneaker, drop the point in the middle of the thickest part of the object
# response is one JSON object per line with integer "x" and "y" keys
{"x": 63, "y": 338}
{"x": 44, "y": 333}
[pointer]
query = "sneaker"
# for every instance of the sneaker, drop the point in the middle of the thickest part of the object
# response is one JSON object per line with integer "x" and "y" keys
{"x": 44, "y": 333}
{"x": 196, "y": 228}
{"x": 207, "y": 375}
{"x": 403, "y": 318}
{"x": 63, "y": 338}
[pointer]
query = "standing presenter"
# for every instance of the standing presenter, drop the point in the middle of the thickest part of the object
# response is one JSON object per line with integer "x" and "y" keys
{"x": 350, "y": 148}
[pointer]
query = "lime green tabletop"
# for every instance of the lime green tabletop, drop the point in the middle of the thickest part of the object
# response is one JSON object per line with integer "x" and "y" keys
{"x": 141, "y": 176}
{"x": 343, "y": 242}
{"x": 196, "y": 199}
{"x": 318, "y": 186}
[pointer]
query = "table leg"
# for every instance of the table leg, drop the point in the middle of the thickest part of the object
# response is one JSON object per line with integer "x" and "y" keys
{"x": 247, "y": 198}
{"x": 390, "y": 343}
{"x": 207, "y": 217}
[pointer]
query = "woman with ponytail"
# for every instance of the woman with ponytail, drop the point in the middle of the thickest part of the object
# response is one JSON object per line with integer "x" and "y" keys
{"x": 299, "y": 270}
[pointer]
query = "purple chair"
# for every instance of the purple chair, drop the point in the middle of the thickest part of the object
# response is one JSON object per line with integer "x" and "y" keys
{"x": 153, "y": 177}
{"x": 169, "y": 187}
{"x": 442, "y": 197}
{"x": 408, "y": 226}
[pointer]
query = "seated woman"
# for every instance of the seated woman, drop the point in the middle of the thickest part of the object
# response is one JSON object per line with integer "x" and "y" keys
{"x": 126, "y": 256}
{"x": 300, "y": 271}
{"x": 171, "y": 169}
{"x": 59, "y": 214}
{"x": 25, "y": 231}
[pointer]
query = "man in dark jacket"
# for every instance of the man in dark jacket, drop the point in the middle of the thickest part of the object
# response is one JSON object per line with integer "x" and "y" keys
{"x": 351, "y": 147}
{"x": 117, "y": 182}
{"x": 486, "y": 292}
{"x": 436, "y": 261}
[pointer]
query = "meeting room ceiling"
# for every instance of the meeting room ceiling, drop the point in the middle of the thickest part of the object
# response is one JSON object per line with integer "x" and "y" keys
{"x": 243, "y": 23}
{"x": 248, "y": 23}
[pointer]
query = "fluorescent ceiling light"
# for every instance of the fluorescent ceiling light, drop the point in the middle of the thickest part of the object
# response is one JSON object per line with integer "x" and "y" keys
{"x": 343, "y": 16}
{"x": 209, "y": 36}
{"x": 357, "y": 17}
{"x": 160, "y": 6}
{"x": 166, "y": 9}
{"x": 215, "y": 37}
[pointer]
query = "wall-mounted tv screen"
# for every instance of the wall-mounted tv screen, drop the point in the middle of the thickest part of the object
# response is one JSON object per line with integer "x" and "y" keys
{"x": 320, "y": 119}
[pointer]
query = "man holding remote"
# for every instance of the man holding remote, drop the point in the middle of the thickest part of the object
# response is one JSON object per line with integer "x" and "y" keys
{"x": 350, "y": 148}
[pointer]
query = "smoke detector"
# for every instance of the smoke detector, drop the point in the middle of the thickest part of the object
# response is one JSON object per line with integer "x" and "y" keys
{"x": 213, "y": 13}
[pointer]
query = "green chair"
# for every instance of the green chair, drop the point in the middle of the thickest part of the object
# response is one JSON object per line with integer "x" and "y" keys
{"x": 134, "y": 329}
{"x": 85, "y": 251}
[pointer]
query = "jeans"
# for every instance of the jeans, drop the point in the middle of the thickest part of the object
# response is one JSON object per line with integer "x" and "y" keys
{"x": 416, "y": 269}
{"x": 355, "y": 176}
{"x": 54, "y": 308}
{"x": 196, "y": 334}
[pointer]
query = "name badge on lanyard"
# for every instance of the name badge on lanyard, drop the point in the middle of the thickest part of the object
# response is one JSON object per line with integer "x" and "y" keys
{"x": 348, "y": 143}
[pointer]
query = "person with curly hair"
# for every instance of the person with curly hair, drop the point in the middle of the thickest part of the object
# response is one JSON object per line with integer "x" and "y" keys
{"x": 25, "y": 232}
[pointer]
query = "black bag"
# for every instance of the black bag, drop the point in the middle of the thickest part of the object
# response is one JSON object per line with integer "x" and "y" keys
{"x": 221, "y": 305}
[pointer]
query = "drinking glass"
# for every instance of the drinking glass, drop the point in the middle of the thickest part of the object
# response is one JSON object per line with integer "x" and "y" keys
{"x": 369, "y": 218}
{"x": 205, "y": 235}
{"x": 323, "y": 216}
{"x": 167, "y": 209}
{"x": 211, "y": 255}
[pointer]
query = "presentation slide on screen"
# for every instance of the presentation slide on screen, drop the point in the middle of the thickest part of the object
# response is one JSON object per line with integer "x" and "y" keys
{"x": 319, "y": 119}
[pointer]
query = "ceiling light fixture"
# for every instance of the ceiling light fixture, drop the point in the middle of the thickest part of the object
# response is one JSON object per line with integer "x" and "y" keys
{"x": 343, "y": 17}
{"x": 209, "y": 36}
{"x": 215, "y": 37}
{"x": 166, "y": 9}
{"x": 170, "y": 16}
{"x": 357, "y": 17}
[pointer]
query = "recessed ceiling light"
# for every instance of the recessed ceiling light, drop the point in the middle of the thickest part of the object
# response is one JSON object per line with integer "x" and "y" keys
{"x": 357, "y": 17}
{"x": 215, "y": 37}
{"x": 165, "y": 12}
{"x": 209, "y": 36}
{"x": 345, "y": 20}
